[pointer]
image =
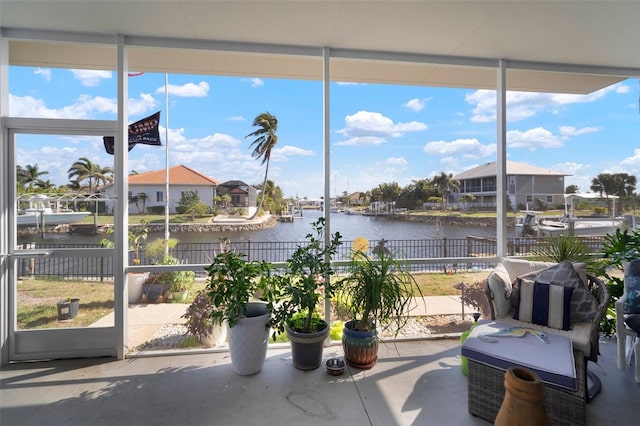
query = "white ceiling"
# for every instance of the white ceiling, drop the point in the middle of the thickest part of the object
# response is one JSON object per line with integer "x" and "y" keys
{"x": 371, "y": 41}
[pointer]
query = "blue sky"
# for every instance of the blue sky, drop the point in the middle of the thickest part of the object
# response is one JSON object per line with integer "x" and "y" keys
{"x": 379, "y": 133}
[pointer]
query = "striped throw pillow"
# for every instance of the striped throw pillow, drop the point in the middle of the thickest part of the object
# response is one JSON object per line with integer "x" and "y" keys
{"x": 544, "y": 304}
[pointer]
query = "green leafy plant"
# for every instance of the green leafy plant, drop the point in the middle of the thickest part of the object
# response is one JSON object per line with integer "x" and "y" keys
{"x": 233, "y": 282}
{"x": 199, "y": 316}
{"x": 136, "y": 237}
{"x": 619, "y": 248}
{"x": 176, "y": 280}
{"x": 305, "y": 281}
{"x": 157, "y": 248}
{"x": 559, "y": 248}
{"x": 377, "y": 291}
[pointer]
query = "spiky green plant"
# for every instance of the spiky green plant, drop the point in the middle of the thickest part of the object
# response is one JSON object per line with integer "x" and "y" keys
{"x": 377, "y": 291}
{"x": 559, "y": 248}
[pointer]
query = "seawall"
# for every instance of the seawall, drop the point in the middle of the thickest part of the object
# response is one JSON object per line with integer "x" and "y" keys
{"x": 254, "y": 225}
{"x": 450, "y": 220}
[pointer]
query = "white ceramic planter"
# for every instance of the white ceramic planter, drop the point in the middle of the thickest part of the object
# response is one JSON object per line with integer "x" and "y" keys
{"x": 218, "y": 336}
{"x": 135, "y": 286}
{"x": 249, "y": 339}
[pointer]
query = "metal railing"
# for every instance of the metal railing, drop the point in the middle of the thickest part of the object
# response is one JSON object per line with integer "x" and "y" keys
{"x": 432, "y": 255}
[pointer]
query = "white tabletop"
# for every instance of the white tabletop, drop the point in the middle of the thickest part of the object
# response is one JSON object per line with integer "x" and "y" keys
{"x": 552, "y": 361}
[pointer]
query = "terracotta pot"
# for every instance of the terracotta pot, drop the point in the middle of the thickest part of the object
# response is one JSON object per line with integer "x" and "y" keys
{"x": 360, "y": 347}
{"x": 523, "y": 402}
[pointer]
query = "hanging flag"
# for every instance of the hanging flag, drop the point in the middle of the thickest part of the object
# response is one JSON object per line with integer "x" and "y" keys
{"x": 144, "y": 131}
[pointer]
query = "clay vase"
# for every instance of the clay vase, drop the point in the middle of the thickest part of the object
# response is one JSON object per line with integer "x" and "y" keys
{"x": 360, "y": 347}
{"x": 523, "y": 402}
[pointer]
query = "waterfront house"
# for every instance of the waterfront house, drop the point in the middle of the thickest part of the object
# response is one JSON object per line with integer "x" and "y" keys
{"x": 525, "y": 185}
{"x": 242, "y": 194}
{"x": 147, "y": 190}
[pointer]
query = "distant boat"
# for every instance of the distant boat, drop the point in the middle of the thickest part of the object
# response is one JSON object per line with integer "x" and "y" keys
{"x": 534, "y": 223}
{"x": 41, "y": 213}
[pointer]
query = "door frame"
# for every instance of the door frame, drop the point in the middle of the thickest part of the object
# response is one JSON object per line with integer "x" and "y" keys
{"x": 22, "y": 345}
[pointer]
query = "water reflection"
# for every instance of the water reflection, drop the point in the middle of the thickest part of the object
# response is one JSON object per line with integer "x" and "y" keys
{"x": 350, "y": 226}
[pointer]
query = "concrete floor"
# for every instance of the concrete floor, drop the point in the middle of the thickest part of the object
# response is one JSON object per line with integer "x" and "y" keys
{"x": 414, "y": 383}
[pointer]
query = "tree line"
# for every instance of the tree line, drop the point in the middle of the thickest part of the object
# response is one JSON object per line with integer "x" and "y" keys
{"x": 86, "y": 176}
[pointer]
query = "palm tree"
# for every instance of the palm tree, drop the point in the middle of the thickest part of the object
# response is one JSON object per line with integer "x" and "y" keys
{"x": 266, "y": 139}
{"x": 142, "y": 196}
{"x": 30, "y": 175}
{"x": 445, "y": 184}
{"x": 47, "y": 185}
{"x": 620, "y": 184}
{"x": 85, "y": 169}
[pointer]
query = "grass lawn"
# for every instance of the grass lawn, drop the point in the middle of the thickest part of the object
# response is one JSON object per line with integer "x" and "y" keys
{"x": 442, "y": 285}
{"x": 151, "y": 218}
{"x": 37, "y": 298}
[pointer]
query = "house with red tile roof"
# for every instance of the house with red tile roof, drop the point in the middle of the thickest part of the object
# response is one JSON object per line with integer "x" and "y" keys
{"x": 152, "y": 185}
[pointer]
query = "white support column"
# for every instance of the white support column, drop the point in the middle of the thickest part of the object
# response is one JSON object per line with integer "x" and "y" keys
{"x": 326, "y": 133}
{"x": 121, "y": 156}
{"x": 4, "y": 204}
{"x": 501, "y": 160}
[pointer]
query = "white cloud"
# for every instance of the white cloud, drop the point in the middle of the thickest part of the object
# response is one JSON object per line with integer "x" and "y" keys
{"x": 282, "y": 154}
{"x": 416, "y": 104}
{"x": 255, "y": 82}
{"x": 85, "y": 107}
{"x": 372, "y": 128}
{"x": 44, "y": 72}
{"x": 567, "y": 131}
{"x": 622, "y": 88}
{"x": 632, "y": 163}
{"x": 142, "y": 105}
{"x": 236, "y": 118}
{"x": 522, "y": 105}
{"x": 362, "y": 140}
{"x": 468, "y": 148}
{"x": 396, "y": 161}
{"x": 533, "y": 139}
{"x": 219, "y": 140}
{"x": 580, "y": 174}
{"x": 189, "y": 90}
{"x": 176, "y": 137}
{"x": 90, "y": 78}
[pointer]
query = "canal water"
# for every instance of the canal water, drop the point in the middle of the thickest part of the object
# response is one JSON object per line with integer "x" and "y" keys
{"x": 349, "y": 226}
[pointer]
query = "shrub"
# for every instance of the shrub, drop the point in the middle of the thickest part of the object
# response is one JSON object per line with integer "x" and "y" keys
{"x": 198, "y": 315}
{"x": 155, "y": 209}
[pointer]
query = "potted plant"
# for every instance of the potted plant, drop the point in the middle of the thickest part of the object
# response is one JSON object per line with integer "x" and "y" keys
{"x": 375, "y": 293}
{"x": 619, "y": 249}
{"x": 136, "y": 237}
{"x": 200, "y": 323}
{"x": 304, "y": 282}
{"x": 170, "y": 284}
{"x": 232, "y": 287}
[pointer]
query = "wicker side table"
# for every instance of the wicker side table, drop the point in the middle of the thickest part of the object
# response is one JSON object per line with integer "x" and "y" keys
{"x": 565, "y": 407}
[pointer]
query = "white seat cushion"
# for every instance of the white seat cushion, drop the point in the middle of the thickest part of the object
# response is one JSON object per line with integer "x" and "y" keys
{"x": 580, "y": 333}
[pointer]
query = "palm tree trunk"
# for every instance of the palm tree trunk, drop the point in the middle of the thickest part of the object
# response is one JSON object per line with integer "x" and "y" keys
{"x": 264, "y": 187}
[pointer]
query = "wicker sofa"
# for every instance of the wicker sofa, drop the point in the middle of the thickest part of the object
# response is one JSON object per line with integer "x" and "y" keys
{"x": 584, "y": 335}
